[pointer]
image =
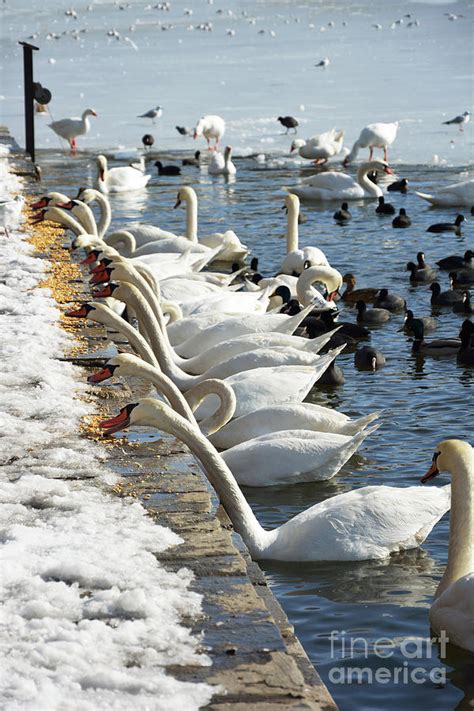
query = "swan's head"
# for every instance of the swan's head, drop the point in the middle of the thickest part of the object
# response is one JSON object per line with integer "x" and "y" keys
{"x": 143, "y": 412}
{"x": 108, "y": 290}
{"x": 379, "y": 165}
{"x": 185, "y": 193}
{"x": 122, "y": 364}
{"x": 292, "y": 202}
{"x": 88, "y": 112}
{"x": 50, "y": 213}
{"x": 101, "y": 166}
{"x": 82, "y": 312}
{"x": 451, "y": 455}
{"x": 86, "y": 195}
{"x": 50, "y": 199}
{"x": 101, "y": 277}
{"x": 296, "y": 144}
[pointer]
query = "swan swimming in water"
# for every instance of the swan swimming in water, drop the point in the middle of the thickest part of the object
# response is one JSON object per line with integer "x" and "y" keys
{"x": 453, "y": 608}
{"x": 119, "y": 180}
{"x": 333, "y": 185}
{"x": 365, "y": 523}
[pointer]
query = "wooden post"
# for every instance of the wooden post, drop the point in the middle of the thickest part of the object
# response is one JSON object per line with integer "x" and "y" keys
{"x": 29, "y": 98}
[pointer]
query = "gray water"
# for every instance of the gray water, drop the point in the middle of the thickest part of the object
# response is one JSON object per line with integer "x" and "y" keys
{"x": 424, "y": 401}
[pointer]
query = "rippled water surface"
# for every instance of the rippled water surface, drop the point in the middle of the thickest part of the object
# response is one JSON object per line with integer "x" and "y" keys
{"x": 424, "y": 400}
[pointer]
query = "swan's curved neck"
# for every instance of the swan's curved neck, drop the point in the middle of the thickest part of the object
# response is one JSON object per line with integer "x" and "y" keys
{"x": 353, "y": 154}
{"x": 224, "y": 412}
{"x": 121, "y": 237}
{"x": 309, "y": 277}
{"x": 191, "y": 216}
{"x": 368, "y": 186}
{"x": 133, "y": 296}
{"x": 86, "y": 217}
{"x": 164, "y": 386}
{"x": 461, "y": 524}
{"x": 292, "y": 227}
{"x": 223, "y": 482}
{"x": 103, "y": 314}
{"x": 105, "y": 213}
{"x": 70, "y": 223}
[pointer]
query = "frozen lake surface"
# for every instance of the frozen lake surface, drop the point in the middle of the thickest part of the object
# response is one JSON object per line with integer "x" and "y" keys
{"x": 418, "y": 74}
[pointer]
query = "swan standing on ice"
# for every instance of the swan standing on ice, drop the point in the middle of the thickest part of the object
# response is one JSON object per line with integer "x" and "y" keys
{"x": 339, "y": 186}
{"x": 375, "y": 135}
{"x": 119, "y": 180}
{"x": 210, "y": 126}
{"x": 71, "y": 128}
{"x": 453, "y": 608}
{"x": 319, "y": 148}
{"x": 366, "y": 523}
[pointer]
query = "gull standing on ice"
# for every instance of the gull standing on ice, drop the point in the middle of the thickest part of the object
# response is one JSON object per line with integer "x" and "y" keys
{"x": 153, "y": 114}
{"x": 323, "y": 63}
{"x": 460, "y": 120}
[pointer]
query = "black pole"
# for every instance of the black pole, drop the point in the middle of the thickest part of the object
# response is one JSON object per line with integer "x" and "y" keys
{"x": 29, "y": 97}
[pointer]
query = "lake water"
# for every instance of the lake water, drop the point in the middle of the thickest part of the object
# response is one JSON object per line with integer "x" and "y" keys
{"x": 419, "y": 75}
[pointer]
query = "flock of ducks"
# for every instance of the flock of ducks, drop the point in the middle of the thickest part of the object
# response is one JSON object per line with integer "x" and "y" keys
{"x": 226, "y": 353}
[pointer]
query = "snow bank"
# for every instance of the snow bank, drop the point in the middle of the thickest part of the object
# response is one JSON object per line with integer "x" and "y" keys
{"x": 89, "y": 618}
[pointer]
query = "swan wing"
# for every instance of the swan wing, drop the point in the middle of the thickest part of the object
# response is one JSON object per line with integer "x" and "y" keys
{"x": 290, "y": 456}
{"x": 367, "y": 523}
{"x": 453, "y": 612}
{"x": 331, "y": 180}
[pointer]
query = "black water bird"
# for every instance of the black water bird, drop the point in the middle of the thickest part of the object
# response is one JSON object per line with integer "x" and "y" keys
{"x": 401, "y": 220}
{"x": 167, "y": 169}
{"x": 288, "y": 122}
{"x": 384, "y": 208}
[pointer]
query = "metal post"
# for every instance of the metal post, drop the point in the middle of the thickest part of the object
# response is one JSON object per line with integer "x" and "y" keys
{"x": 29, "y": 97}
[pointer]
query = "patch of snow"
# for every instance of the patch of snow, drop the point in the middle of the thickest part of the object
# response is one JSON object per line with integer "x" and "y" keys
{"x": 90, "y": 620}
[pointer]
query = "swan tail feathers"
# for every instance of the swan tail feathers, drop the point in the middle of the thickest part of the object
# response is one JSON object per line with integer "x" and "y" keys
{"x": 314, "y": 345}
{"x": 292, "y": 322}
{"x": 425, "y": 196}
{"x": 361, "y": 423}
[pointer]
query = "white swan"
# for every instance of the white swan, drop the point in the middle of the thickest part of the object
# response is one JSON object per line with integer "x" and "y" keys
{"x": 221, "y": 164}
{"x": 71, "y": 128}
{"x": 332, "y": 280}
{"x": 220, "y": 351}
{"x": 319, "y": 148}
{"x": 339, "y": 186}
{"x": 453, "y": 608}
{"x": 296, "y": 258}
{"x": 285, "y": 457}
{"x": 254, "y": 388}
{"x": 458, "y": 194}
{"x": 301, "y": 416}
{"x": 149, "y": 239}
{"x": 127, "y": 364}
{"x": 119, "y": 180}
{"x": 210, "y": 126}
{"x": 375, "y": 135}
{"x": 191, "y": 336}
{"x": 56, "y": 214}
{"x": 370, "y": 522}
{"x": 291, "y": 456}
{"x": 237, "y": 364}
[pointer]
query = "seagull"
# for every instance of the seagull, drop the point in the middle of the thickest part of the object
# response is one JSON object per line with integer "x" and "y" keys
{"x": 323, "y": 63}
{"x": 460, "y": 120}
{"x": 153, "y": 114}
